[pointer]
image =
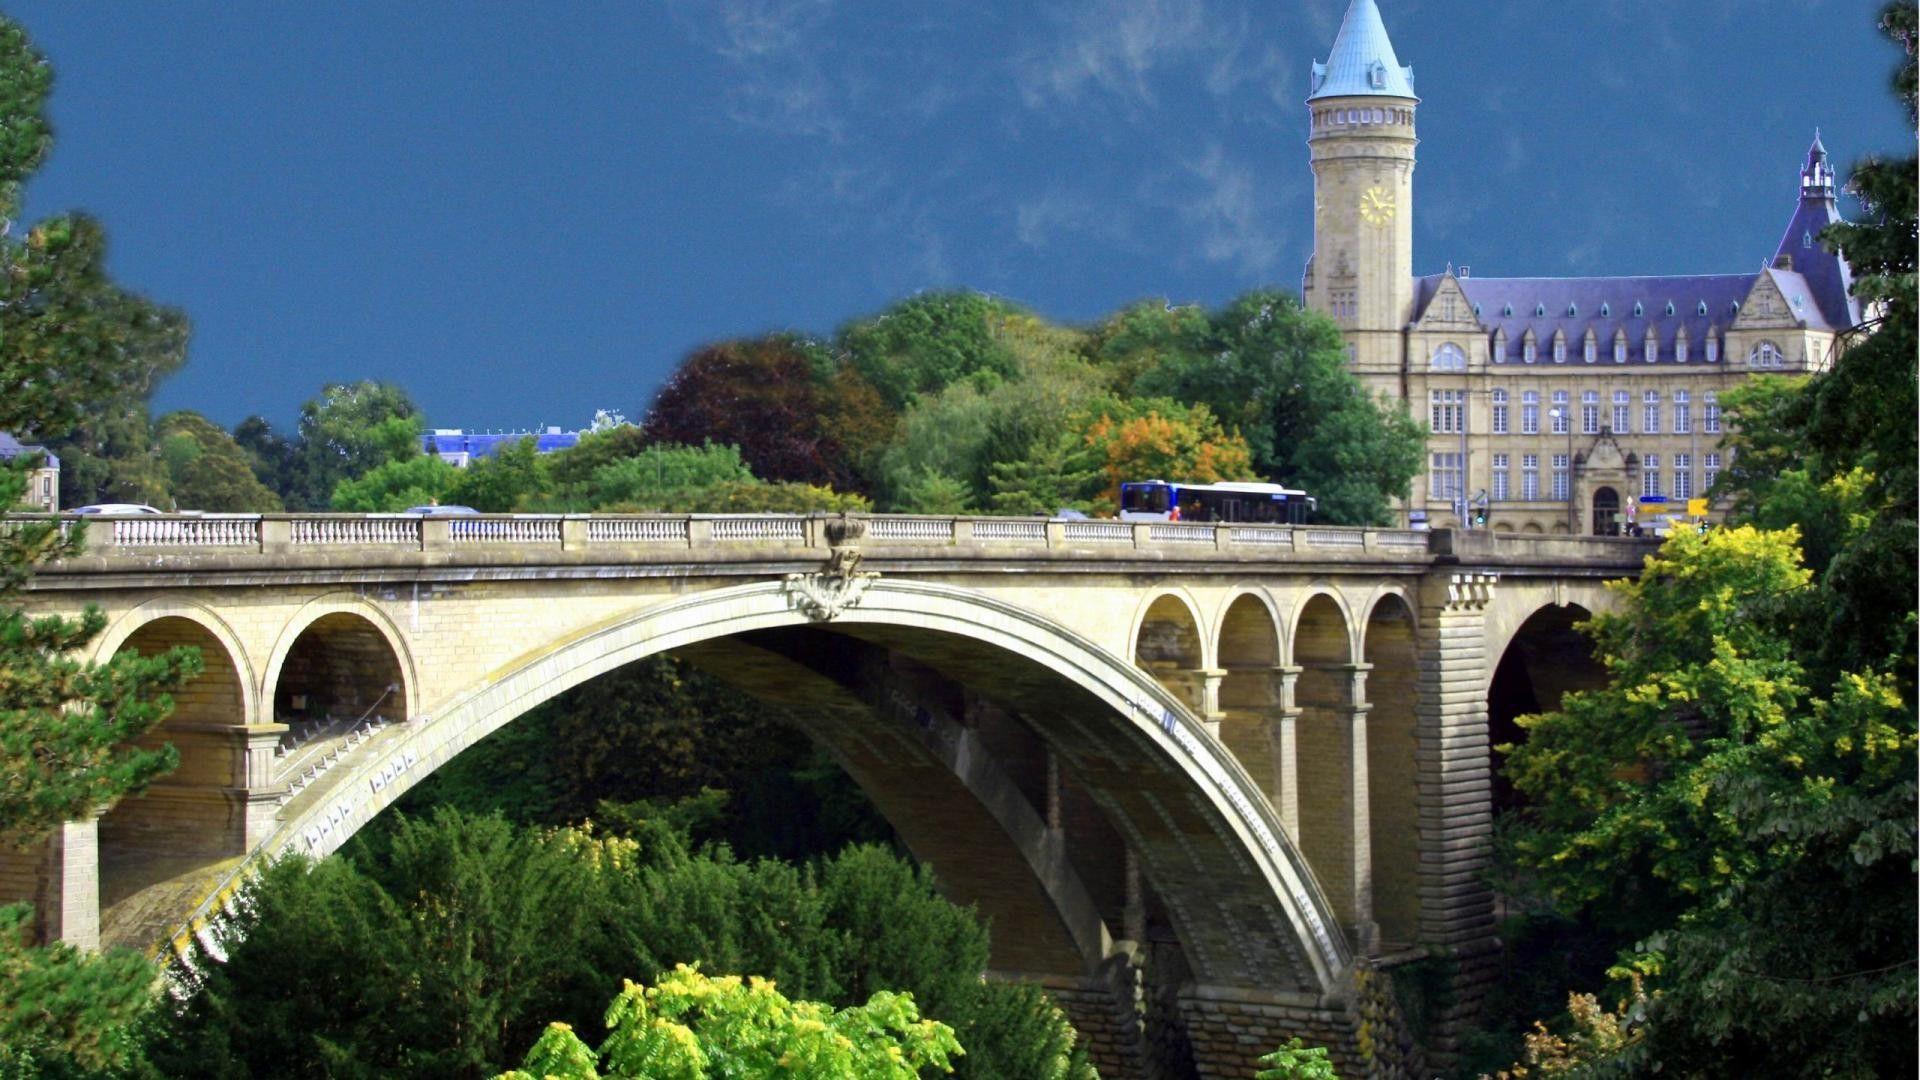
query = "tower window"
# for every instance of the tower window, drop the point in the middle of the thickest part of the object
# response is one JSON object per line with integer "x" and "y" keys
{"x": 1377, "y": 75}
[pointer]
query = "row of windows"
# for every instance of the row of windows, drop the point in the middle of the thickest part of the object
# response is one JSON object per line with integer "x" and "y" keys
{"x": 1447, "y": 481}
{"x": 1450, "y": 357}
{"x": 1448, "y": 407}
{"x": 1366, "y": 117}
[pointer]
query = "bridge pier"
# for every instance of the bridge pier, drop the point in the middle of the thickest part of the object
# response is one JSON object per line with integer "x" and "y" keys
{"x": 1259, "y": 723}
{"x": 1335, "y": 832}
{"x": 1455, "y": 812}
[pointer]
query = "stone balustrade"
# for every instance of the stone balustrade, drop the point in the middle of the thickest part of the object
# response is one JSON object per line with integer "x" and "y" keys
{"x": 286, "y": 538}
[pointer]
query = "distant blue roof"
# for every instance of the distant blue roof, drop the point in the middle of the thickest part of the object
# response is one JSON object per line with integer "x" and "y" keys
{"x": 11, "y": 448}
{"x": 482, "y": 444}
{"x": 1362, "y": 63}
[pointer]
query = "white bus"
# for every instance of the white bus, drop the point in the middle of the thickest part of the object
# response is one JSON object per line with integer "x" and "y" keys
{"x": 1262, "y": 504}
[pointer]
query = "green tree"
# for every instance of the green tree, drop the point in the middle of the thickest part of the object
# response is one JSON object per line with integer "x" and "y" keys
{"x": 667, "y": 475}
{"x": 514, "y": 477}
{"x": 1742, "y": 829}
{"x": 1277, "y": 373}
{"x": 73, "y": 347}
{"x": 345, "y": 433}
{"x": 395, "y": 485}
{"x": 1055, "y": 473}
{"x": 929, "y": 342}
{"x": 693, "y": 1027}
{"x": 269, "y": 454}
{"x": 206, "y": 469}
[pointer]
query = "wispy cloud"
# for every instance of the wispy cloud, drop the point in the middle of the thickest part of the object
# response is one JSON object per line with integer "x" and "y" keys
{"x": 772, "y": 50}
{"x": 1222, "y": 203}
{"x": 1115, "y": 49}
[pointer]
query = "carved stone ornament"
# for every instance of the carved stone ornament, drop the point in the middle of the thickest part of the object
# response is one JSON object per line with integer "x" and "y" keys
{"x": 822, "y": 597}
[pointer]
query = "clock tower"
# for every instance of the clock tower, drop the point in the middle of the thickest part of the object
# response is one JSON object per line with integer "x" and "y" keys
{"x": 1361, "y": 111}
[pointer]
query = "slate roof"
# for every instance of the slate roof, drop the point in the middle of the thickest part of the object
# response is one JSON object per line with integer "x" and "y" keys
{"x": 1827, "y": 276}
{"x": 11, "y": 448}
{"x": 1362, "y": 62}
{"x": 1606, "y": 304}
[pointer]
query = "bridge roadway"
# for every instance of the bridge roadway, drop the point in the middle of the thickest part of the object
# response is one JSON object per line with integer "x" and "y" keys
{"x": 1211, "y": 783}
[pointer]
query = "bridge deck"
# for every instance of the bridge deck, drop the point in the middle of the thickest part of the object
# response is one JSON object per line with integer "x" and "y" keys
{"x": 135, "y": 550}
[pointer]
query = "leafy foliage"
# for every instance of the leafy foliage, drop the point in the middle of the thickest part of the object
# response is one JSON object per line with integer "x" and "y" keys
{"x": 437, "y": 948}
{"x": 1296, "y": 1061}
{"x": 695, "y": 1027}
{"x": 795, "y": 414}
{"x": 1161, "y": 438}
{"x": 929, "y": 342}
{"x": 347, "y": 432}
{"x": 73, "y": 348}
{"x": 1277, "y": 373}
{"x": 207, "y": 469}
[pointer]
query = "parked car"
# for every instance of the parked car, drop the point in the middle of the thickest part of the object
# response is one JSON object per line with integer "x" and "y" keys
{"x": 451, "y": 509}
{"x": 116, "y": 508}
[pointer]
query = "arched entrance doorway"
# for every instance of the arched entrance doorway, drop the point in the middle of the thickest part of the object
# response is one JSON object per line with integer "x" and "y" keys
{"x": 1606, "y": 512}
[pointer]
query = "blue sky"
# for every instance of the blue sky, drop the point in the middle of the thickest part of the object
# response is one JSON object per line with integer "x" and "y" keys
{"x": 526, "y": 212}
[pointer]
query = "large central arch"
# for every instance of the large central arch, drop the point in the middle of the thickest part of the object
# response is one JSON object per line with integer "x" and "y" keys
{"x": 1238, "y": 893}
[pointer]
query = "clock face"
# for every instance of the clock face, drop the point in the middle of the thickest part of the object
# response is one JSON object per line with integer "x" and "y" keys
{"x": 1376, "y": 206}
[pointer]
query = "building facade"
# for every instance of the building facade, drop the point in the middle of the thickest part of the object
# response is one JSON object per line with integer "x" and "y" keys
{"x": 461, "y": 448}
{"x": 1556, "y": 404}
{"x": 43, "y": 481}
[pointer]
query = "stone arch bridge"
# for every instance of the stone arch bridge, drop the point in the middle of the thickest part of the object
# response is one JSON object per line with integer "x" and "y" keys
{"x": 1210, "y": 783}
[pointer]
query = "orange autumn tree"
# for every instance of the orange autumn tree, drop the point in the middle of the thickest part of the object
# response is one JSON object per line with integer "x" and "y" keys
{"x": 1164, "y": 439}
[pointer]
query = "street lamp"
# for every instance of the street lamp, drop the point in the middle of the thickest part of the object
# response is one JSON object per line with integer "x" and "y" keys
{"x": 1561, "y": 415}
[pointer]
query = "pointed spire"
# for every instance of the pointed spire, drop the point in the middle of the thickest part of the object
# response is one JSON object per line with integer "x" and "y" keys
{"x": 1816, "y": 176}
{"x": 1362, "y": 63}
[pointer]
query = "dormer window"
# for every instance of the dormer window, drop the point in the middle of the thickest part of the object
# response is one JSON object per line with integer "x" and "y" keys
{"x": 1507, "y": 311}
{"x": 1619, "y": 348}
{"x": 1680, "y": 348}
{"x": 1713, "y": 350}
{"x": 1377, "y": 76}
{"x": 1559, "y": 347}
{"x": 1589, "y": 349}
{"x": 1606, "y": 311}
{"x": 1669, "y": 309}
{"x": 1806, "y": 239}
{"x": 1637, "y": 310}
{"x": 1539, "y": 311}
{"x": 1702, "y": 309}
{"x": 1733, "y": 308}
{"x": 1573, "y": 311}
{"x": 1527, "y": 348}
{"x": 1652, "y": 349}
{"x": 1476, "y": 311}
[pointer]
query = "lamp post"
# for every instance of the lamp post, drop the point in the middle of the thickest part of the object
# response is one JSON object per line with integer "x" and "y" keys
{"x": 1565, "y": 416}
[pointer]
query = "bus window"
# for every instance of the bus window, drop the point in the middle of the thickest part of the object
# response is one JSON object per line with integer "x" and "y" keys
{"x": 1143, "y": 498}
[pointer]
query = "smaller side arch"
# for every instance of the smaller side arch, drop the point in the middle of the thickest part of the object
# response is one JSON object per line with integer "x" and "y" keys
{"x": 129, "y": 623}
{"x": 1168, "y": 644}
{"x": 344, "y": 604}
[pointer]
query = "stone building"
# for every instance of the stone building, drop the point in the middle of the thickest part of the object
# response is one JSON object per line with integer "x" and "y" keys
{"x": 1558, "y": 404}
{"x": 43, "y": 483}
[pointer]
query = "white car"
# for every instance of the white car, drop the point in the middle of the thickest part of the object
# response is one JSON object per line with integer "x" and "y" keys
{"x": 116, "y": 508}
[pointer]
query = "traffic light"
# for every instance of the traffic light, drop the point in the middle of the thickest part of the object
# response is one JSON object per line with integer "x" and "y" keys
{"x": 1479, "y": 517}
